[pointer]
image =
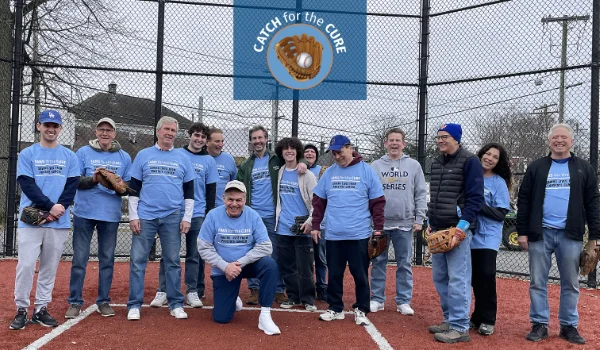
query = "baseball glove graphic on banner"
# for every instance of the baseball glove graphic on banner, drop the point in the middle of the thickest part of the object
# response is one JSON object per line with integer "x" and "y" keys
{"x": 301, "y": 56}
{"x": 440, "y": 241}
{"x": 589, "y": 257}
{"x": 377, "y": 244}
{"x": 298, "y": 222}
{"x": 34, "y": 216}
{"x": 111, "y": 181}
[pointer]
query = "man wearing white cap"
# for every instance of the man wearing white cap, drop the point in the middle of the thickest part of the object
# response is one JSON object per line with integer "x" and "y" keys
{"x": 102, "y": 152}
{"x": 235, "y": 242}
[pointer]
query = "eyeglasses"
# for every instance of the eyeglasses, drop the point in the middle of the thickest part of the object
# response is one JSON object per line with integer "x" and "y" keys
{"x": 107, "y": 131}
{"x": 442, "y": 137}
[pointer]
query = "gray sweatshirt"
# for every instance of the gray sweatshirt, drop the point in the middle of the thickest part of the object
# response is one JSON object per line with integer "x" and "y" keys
{"x": 405, "y": 191}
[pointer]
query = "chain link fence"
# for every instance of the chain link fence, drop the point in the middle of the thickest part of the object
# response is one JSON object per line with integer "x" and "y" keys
{"x": 505, "y": 70}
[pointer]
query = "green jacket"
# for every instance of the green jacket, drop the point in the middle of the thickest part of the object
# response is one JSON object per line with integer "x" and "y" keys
{"x": 245, "y": 174}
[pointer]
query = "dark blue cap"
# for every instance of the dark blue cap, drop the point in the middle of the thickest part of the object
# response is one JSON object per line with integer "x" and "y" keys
{"x": 338, "y": 142}
{"x": 50, "y": 116}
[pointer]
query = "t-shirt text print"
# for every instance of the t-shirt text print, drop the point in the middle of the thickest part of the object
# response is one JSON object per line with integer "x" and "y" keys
{"x": 50, "y": 167}
{"x": 162, "y": 168}
{"x": 260, "y": 174}
{"x": 344, "y": 183}
{"x": 394, "y": 179}
{"x": 231, "y": 237}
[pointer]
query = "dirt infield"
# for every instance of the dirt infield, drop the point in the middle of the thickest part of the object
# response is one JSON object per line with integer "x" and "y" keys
{"x": 157, "y": 329}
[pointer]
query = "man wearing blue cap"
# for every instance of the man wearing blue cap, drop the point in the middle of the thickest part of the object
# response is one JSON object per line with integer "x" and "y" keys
{"x": 48, "y": 174}
{"x": 353, "y": 196}
{"x": 456, "y": 198}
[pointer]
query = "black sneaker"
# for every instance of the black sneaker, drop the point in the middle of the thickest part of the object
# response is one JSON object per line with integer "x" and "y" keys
{"x": 322, "y": 294}
{"x": 538, "y": 332}
{"x": 20, "y": 319}
{"x": 43, "y": 318}
{"x": 571, "y": 334}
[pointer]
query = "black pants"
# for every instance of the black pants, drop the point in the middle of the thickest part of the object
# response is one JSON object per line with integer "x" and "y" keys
{"x": 484, "y": 286}
{"x": 354, "y": 254}
{"x": 295, "y": 262}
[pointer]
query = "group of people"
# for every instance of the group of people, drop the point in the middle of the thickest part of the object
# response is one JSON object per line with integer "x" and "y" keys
{"x": 280, "y": 220}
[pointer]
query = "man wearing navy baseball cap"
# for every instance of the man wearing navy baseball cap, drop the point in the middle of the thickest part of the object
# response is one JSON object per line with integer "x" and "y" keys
{"x": 353, "y": 196}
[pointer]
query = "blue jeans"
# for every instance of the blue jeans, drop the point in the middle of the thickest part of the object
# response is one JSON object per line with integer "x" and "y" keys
{"x": 402, "y": 241}
{"x": 320, "y": 263}
{"x": 83, "y": 229}
{"x": 170, "y": 241}
{"x": 567, "y": 253}
{"x": 194, "y": 265}
{"x": 452, "y": 280}
{"x": 253, "y": 282}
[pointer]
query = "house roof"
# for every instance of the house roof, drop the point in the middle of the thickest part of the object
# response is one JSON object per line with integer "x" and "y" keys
{"x": 123, "y": 109}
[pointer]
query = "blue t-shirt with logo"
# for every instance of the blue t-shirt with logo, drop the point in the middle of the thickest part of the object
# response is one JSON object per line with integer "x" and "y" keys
{"x": 558, "y": 190}
{"x": 50, "y": 168}
{"x": 88, "y": 201}
{"x": 262, "y": 192}
{"x": 348, "y": 191}
{"x": 292, "y": 204}
{"x": 227, "y": 172}
{"x": 206, "y": 173}
{"x": 162, "y": 174}
{"x": 488, "y": 233}
{"x": 232, "y": 238}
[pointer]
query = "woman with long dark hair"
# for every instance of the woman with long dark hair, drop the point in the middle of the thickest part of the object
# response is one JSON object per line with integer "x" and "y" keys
{"x": 488, "y": 235}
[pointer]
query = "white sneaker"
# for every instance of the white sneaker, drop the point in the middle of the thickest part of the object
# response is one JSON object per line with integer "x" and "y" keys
{"x": 178, "y": 313}
{"x": 376, "y": 306}
{"x": 133, "y": 314}
{"x": 238, "y": 304}
{"x": 405, "y": 309}
{"x": 193, "y": 300}
{"x": 360, "y": 318}
{"x": 159, "y": 300}
{"x": 331, "y": 315}
{"x": 310, "y": 307}
{"x": 266, "y": 324}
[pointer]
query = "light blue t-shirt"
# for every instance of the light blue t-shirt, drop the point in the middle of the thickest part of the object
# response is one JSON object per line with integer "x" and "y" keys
{"x": 316, "y": 170}
{"x": 348, "y": 191}
{"x": 232, "y": 237}
{"x": 488, "y": 234}
{"x": 88, "y": 201}
{"x": 556, "y": 200}
{"x": 292, "y": 204}
{"x": 227, "y": 172}
{"x": 50, "y": 168}
{"x": 262, "y": 192}
{"x": 206, "y": 173}
{"x": 162, "y": 174}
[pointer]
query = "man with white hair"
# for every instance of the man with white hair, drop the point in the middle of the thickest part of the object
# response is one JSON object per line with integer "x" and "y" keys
{"x": 558, "y": 196}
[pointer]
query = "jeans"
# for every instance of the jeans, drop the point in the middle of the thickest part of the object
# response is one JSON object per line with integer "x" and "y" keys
{"x": 83, "y": 229}
{"x": 567, "y": 253}
{"x": 484, "y": 286}
{"x": 402, "y": 241}
{"x": 226, "y": 292}
{"x": 354, "y": 254}
{"x": 194, "y": 265}
{"x": 253, "y": 282}
{"x": 170, "y": 241}
{"x": 452, "y": 280}
{"x": 320, "y": 262}
{"x": 295, "y": 261}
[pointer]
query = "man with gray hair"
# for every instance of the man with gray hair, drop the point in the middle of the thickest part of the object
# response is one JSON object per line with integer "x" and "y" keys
{"x": 557, "y": 198}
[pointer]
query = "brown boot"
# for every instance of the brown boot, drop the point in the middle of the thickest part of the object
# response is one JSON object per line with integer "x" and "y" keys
{"x": 281, "y": 298}
{"x": 253, "y": 298}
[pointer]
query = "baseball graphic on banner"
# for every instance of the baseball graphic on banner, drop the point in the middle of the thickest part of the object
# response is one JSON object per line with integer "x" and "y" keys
{"x": 304, "y": 60}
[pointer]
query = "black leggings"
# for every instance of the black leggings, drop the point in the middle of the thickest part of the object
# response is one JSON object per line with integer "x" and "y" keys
{"x": 484, "y": 286}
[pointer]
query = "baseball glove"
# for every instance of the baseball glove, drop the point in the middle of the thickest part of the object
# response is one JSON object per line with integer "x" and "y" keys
{"x": 439, "y": 241}
{"x": 377, "y": 244}
{"x": 290, "y": 48}
{"x": 111, "y": 181}
{"x": 34, "y": 216}
{"x": 296, "y": 226}
{"x": 589, "y": 257}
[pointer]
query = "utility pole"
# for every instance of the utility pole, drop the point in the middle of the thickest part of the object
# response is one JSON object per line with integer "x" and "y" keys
{"x": 275, "y": 115}
{"x": 563, "y": 58}
{"x": 200, "y": 109}
{"x": 35, "y": 75}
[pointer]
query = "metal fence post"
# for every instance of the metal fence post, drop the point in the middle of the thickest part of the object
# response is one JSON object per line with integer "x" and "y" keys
{"x": 595, "y": 101}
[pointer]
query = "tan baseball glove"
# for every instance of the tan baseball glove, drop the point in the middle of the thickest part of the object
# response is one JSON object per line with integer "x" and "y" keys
{"x": 290, "y": 48}
{"x": 111, "y": 181}
{"x": 377, "y": 244}
{"x": 589, "y": 257}
{"x": 441, "y": 241}
{"x": 36, "y": 217}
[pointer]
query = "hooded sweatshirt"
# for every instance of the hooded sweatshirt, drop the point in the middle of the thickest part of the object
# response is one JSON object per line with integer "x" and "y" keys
{"x": 405, "y": 191}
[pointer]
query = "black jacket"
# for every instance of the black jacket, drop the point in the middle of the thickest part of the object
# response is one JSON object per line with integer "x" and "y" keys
{"x": 584, "y": 200}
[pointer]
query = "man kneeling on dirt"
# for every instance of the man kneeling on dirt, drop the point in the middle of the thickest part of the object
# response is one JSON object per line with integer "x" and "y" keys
{"x": 235, "y": 242}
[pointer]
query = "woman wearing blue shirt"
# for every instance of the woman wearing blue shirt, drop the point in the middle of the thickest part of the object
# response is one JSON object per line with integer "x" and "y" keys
{"x": 488, "y": 235}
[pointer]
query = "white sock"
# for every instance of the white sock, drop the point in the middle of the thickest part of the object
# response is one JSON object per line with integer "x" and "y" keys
{"x": 266, "y": 311}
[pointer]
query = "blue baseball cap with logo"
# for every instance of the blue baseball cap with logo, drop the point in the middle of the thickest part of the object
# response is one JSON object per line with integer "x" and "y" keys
{"x": 338, "y": 142}
{"x": 50, "y": 116}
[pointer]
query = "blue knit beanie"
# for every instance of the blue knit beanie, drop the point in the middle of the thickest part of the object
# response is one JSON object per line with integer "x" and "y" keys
{"x": 455, "y": 130}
